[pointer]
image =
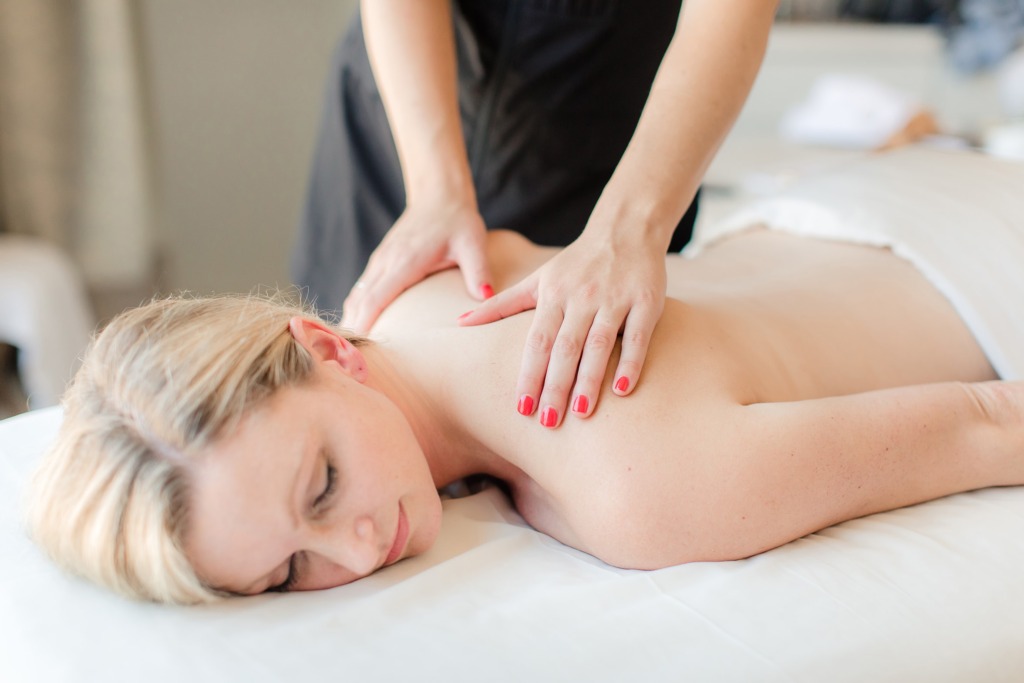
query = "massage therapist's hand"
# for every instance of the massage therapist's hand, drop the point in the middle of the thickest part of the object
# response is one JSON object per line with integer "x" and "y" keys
{"x": 584, "y": 297}
{"x": 424, "y": 240}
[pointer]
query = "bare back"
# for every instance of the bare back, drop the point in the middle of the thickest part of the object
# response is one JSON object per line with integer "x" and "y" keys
{"x": 759, "y": 317}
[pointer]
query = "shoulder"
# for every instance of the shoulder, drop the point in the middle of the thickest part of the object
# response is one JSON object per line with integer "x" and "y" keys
{"x": 512, "y": 257}
{"x": 441, "y": 298}
{"x": 634, "y": 498}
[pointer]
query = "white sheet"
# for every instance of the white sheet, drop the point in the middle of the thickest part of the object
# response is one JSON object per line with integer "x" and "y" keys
{"x": 929, "y": 593}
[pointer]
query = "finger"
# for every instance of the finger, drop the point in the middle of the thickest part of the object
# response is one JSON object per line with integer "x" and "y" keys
{"x": 562, "y": 365}
{"x": 536, "y": 353}
{"x": 366, "y": 303}
{"x": 354, "y": 301}
{"x": 521, "y": 297}
{"x": 597, "y": 350}
{"x": 471, "y": 257}
{"x": 636, "y": 338}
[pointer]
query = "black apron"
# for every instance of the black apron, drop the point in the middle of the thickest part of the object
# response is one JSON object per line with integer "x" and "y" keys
{"x": 550, "y": 92}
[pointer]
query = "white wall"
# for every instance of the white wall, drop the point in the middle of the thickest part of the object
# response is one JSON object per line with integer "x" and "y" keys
{"x": 234, "y": 89}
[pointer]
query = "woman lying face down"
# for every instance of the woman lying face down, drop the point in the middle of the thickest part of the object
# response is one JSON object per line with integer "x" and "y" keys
{"x": 233, "y": 446}
{"x": 322, "y": 483}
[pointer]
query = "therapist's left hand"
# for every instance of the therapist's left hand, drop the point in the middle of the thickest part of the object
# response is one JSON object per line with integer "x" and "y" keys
{"x": 584, "y": 297}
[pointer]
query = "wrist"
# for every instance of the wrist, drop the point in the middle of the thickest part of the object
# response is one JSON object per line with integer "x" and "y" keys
{"x": 640, "y": 219}
{"x": 442, "y": 185}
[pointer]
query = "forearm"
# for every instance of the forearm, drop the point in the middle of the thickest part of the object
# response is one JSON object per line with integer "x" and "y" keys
{"x": 699, "y": 90}
{"x": 412, "y": 52}
{"x": 801, "y": 466}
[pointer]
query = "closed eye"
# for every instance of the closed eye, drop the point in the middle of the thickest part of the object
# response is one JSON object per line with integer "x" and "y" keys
{"x": 293, "y": 575}
{"x": 329, "y": 488}
{"x": 292, "y": 578}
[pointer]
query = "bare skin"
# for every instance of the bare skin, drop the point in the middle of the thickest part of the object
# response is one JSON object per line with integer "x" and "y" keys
{"x": 714, "y": 457}
{"x": 791, "y": 384}
{"x": 704, "y": 78}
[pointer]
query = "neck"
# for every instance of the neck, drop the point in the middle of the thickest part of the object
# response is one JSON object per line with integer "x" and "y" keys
{"x": 413, "y": 379}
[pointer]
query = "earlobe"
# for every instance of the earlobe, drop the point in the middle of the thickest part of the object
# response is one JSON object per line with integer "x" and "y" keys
{"x": 328, "y": 345}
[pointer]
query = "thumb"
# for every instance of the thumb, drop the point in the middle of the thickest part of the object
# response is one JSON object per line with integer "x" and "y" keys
{"x": 476, "y": 273}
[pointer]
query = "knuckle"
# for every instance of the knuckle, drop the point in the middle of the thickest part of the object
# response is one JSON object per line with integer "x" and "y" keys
{"x": 556, "y": 291}
{"x": 600, "y": 341}
{"x": 589, "y": 292}
{"x": 647, "y": 297}
{"x": 586, "y": 380}
{"x": 636, "y": 338}
{"x": 566, "y": 347}
{"x": 539, "y": 342}
{"x": 556, "y": 389}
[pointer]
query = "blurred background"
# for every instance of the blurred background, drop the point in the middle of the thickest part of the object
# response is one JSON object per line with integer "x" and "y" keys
{"x": 152, "y": 146}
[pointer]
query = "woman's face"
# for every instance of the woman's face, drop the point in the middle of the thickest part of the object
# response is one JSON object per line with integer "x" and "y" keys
{"x": 320, "y": 485}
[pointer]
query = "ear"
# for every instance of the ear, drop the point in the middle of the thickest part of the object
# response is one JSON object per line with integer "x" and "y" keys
{"x": 326, "y": 344}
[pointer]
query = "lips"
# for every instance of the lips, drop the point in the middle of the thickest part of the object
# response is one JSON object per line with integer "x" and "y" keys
{"x": 401, "y": 537}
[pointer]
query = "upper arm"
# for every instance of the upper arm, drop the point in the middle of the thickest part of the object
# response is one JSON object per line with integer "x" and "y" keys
{"x": 750, "y": 478}
{"x": 657, "y": 497}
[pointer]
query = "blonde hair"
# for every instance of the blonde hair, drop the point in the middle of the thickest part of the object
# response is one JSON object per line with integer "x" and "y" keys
{"x": 110, "y": 499}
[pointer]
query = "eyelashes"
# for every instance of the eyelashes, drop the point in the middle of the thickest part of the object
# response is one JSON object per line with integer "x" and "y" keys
{"x": 319, "y": 504}
{"x": 329, "y": 488}
{"x": 293, "y": 577}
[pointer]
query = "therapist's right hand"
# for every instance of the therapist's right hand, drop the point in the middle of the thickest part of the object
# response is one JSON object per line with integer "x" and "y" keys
{"x": 425, "y": 239}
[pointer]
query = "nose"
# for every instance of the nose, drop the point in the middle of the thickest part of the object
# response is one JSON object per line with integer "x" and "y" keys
{"x": 337, "y": 557}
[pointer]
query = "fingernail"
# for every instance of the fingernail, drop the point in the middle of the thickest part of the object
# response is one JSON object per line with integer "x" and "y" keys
{"x": 549, "y": 417}
{"x": 581, "y": 404}
{"x": 525, "y": 406}
{"x": 622, "y": 384}
{"x": 464, "y": 315}
{"x": 486, "y": 291}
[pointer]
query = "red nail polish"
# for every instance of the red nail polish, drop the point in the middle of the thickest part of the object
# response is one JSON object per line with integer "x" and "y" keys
{"x": 549, "y": 417}
{"x": 622, "y": 384}
{"x": 581, "y": 404}
{"x": 525, "y": 406}
{"x": 464, "y": 315}
{"x": 486, "y": 291}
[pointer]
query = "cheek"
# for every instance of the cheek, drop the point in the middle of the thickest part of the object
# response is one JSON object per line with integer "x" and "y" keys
{"x": 321, "y": 574}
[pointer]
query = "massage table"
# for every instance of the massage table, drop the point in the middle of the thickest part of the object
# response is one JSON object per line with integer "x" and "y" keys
{"x": 932, "y": 592}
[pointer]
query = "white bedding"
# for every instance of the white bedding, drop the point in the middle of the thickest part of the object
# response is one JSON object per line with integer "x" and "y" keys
{"x": 928, "y": 593}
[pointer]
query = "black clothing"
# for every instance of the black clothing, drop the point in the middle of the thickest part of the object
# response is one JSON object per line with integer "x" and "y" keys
{"x": 550, "y": 92}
